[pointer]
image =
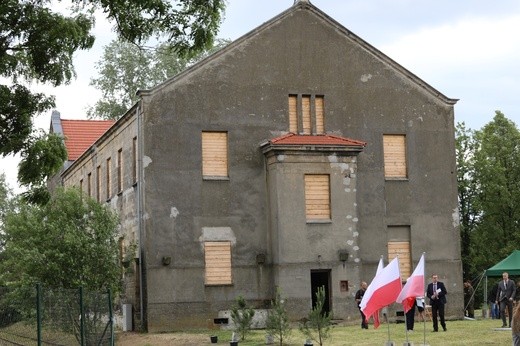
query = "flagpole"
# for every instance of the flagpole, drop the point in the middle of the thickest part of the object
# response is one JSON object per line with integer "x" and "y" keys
{"x": 424, "y": 304}
{"x": 387, "y": 323}
{"x": 424, "y": 323}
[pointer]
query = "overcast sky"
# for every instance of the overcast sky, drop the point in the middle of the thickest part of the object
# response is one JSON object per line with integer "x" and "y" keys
{"x": 466, "y": 49}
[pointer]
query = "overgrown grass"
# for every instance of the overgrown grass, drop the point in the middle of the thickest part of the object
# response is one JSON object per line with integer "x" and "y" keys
{"x": 462, "y": 332}
{"x": 22, "y": 333}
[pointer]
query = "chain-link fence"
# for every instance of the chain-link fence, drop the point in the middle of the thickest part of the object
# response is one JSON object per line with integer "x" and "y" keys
{"x": 39, "y": 316}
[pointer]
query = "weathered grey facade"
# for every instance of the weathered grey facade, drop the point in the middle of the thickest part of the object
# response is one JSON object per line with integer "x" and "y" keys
{"x": 244, "y": 91}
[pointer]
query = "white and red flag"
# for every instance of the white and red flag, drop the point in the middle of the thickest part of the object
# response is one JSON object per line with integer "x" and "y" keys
{"x": 413, "y": 288}
{"x": 383, "y": 290}
{"x": 380, "y": 267}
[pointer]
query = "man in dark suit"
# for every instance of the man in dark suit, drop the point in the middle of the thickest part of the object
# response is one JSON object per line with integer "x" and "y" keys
{"x": 436, "y": 291}
{"x": 505, "y": 296}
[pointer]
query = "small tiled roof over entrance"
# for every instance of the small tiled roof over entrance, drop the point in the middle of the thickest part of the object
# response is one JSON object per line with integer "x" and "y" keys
{"x": 325, "y": 140}
{"x": 79, "y": 135}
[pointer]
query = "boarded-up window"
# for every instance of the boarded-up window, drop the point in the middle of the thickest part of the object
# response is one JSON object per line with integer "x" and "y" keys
{"x": 306, "y": 115}
{"x": 317, "y": 197}
{"x": 395, "y": 156}
{"x": 320, "y": 129}
{"x": 293, "y": 113}
{"x": 214, "y": 154}
{"x": 217, "y": 257}
{"x": 401, "y": 248}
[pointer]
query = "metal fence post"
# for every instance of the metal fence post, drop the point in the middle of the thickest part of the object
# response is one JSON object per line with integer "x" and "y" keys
{"x": 38, "y": 314}
{"x": 111, "y": 315}
{"x": 82, "y": 317}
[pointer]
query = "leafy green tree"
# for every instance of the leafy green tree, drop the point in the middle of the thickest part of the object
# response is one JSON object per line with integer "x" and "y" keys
{"x": 242, "y": 316}
{"x": 6, "y": 196}
{"x": 497, "y": 172}
{"x": 317, "y": 326}
{"x": 467, "y": 192}
{"x": 277, "y": 320}
{"x": 125, "y": 68}
{"x": 38, "y": 44}
{"x": 44, "y": 157}
{"x": 65, "y": 244}
{"x": 68, "y": 242}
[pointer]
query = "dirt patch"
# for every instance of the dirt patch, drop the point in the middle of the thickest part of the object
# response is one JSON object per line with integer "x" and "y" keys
{"x": 143, "y": 339}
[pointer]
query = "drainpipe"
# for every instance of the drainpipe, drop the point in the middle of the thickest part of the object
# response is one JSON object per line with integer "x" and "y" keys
{"x": 140, "y": 230}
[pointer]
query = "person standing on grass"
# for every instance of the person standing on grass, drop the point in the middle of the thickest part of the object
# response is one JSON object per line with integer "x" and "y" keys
{"x": 517, "y": 296}
{"x": 469, "y": 300}
{"x": 516, "y": 326}
{"x": 505, "y": 296}
{"x": 359, "y": 296}
{"x": 436, "y": 291}
{"x": 492, "y": 297}
{"x": 419, "y": 301}
{"x": 410, "y": 317}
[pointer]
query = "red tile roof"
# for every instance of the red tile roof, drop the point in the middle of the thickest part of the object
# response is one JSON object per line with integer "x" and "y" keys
{"x": 294, "y": 139}
{"x": 81, "y": 134}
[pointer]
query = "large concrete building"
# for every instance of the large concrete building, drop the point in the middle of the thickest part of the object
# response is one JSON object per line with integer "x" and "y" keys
{"x": 293, "y": 158}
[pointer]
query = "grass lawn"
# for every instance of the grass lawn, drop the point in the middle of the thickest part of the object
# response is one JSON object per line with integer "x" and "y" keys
{"x": 462, "y": 332}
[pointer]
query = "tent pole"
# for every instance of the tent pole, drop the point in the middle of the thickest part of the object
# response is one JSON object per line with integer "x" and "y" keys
{"x": 485, "y": 308}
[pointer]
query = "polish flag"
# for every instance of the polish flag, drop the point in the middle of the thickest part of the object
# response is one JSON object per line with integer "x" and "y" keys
{"x": 380, "y": 267}
{"x": 383, "y": 290}
{"x": 413, "y": 288}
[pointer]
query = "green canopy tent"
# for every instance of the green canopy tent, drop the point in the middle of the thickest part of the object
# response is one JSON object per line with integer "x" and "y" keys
{"x": 510, "y": 264}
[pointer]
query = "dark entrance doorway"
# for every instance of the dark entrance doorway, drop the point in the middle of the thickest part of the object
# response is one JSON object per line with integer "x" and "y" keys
{"x": 321, "y": 278}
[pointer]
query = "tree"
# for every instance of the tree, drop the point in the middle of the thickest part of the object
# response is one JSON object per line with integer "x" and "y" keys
{"x": 317, "y": 326}
{"x": 497, "y": 171}
{"x": 277, "y": 320}
{"x": 125, "y": 68}
{"x": 242, "y": 316}
{"x": 38, "y": 44}
{"x": 68, "y": 242}
{"x": 6, "y": 196}
{"x": 467, "y": 192}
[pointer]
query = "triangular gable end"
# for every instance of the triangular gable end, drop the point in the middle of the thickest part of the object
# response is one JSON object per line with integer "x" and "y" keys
{"x": 300, "y": 5}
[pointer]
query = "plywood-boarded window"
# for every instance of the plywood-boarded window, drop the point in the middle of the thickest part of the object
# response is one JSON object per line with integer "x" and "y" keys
{"x": 394, "y": 147}
{"x": 317, "y": 197}
{"x": 306, "y": 115}
{"x": 217, "y": 258}
{"x": 214, "y": 154}
{"x": 401, "y": 249}
{"x": 293, "y": 113}
{"x": 319, "y": 105}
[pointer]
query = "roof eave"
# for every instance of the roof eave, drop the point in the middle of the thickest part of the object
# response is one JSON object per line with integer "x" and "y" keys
{"x": 347, "y": 149}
